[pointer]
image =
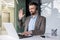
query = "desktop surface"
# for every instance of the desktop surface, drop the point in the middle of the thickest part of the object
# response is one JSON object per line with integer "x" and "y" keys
{"x": 38, "y": 37}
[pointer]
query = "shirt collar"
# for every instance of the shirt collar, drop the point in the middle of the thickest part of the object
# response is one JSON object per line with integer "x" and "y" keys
{"x": 35, "y": 16}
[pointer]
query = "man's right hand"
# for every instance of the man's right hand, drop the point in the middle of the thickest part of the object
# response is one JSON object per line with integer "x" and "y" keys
{"x": 20, "y": 15}
{"x": 26, "y": 33}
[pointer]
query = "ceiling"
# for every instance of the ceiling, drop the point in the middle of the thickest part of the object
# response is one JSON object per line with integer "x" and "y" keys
{"x": 9, "y": 3}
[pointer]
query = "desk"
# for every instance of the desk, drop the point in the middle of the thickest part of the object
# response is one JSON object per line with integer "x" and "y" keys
{"x": 40, "y": 38}
{"x": 6, "y": 37}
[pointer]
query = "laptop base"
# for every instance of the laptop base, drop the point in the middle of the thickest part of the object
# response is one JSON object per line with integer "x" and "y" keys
{"x": 22, "y": 36}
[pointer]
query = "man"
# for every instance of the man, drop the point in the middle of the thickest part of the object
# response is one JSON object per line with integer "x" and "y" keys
{"x": 34, "y": 24}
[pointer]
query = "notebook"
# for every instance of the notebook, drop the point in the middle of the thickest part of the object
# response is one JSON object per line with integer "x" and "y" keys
{"x": 10, "y": 30}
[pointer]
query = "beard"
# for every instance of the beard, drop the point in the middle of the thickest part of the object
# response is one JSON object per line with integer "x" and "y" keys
{"x": 32, "y": 13}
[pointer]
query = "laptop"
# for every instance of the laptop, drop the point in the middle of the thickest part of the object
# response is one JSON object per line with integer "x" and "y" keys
{"x": 12, "y": 32}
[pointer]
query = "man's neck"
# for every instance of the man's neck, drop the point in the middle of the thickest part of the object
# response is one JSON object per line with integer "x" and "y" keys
{"x": 34, "y": 15}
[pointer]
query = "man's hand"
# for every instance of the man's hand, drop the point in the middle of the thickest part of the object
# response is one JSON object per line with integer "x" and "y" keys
{"x": 20, "y": 15}
{"x": 26, "y": 33}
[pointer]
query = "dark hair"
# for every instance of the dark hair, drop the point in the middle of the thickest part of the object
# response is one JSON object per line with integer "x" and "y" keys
{"x": 34, "y": 3}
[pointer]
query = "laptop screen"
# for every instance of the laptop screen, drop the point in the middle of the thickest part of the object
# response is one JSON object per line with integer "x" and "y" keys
{"x": 10, "y": 29}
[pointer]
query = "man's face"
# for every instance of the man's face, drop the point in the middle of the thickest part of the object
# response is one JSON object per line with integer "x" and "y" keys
{"x": 32, "y": 9}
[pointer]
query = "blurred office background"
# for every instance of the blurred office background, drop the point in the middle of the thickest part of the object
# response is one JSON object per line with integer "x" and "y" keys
{"x": 6, "y": 13}
{"x": 48, "y": 8}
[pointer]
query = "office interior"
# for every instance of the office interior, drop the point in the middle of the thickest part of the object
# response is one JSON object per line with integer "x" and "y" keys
{"x": 9, "y": 13}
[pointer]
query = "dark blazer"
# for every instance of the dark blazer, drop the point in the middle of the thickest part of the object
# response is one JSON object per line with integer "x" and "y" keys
{"x": 40, "y": 25}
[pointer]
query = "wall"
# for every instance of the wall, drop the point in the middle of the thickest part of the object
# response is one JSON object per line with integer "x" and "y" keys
{"x": 51, "y": 10}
